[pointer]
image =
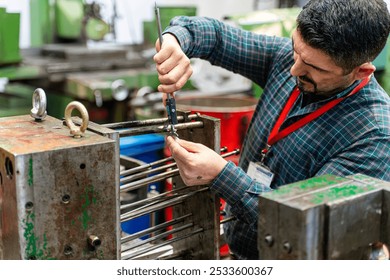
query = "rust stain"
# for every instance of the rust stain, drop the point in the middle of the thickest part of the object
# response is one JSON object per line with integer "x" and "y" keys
{"x": 21, "y": 135}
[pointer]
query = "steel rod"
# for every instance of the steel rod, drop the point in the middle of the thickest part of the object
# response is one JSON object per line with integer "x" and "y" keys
{"x": 152, "y": 164}
{"x": 176, "y": 199}
{"x": 159, "y": 236}
{"x": 162, "y": 176}
{"x": 155, "y": 228}
{"x": 143, "y": 174}
{"x": 143, "y": 210}
{"x": 140, "y": 123}
{"x": 153, "y": 199}
{"x": 170, "y": 241}
{"x": 145, "y": 166}
{"x": 232, "y": 218}
{"x": 159, "y": 129}
{"x": 144, "y": 182}
{"x": 148, "y": 202}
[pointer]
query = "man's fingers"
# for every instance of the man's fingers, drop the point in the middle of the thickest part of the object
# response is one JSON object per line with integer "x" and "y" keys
{"x": 189, "y": 146}
{"x": 176, "y": 149}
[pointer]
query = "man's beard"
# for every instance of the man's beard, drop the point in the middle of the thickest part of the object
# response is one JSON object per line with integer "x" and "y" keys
{"x": 301, "y": 86}
{"x": 315, "y": 90}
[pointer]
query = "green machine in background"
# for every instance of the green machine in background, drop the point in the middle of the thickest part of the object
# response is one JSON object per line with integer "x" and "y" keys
{"x": 66, "y": 21}
{"x": 166, "y": 14}
{"x": 61, "y": 31}
{"x": 69, "y": 16}
{"x": 9, "y": 37}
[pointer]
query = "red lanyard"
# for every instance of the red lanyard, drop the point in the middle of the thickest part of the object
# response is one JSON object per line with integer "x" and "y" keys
{"x": 276, "y": 134}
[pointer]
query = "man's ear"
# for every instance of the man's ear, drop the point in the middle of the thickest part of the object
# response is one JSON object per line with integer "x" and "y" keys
{"x": 364, "y": 70}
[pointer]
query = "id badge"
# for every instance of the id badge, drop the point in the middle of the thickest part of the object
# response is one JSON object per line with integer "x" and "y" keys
{"x": 261, "y": 173}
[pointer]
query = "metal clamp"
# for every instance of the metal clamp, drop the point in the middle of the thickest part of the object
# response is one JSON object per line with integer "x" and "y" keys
{"x": 76, "y": 131}
{"x": 119, "y": 90}
{"x": 38, "y": 112}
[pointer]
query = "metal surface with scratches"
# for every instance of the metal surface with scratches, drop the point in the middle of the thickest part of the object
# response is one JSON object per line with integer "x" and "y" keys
{"x": 60, "y": 198}
{"x": 58, "y": 194}
{"x": 326, "y": 217}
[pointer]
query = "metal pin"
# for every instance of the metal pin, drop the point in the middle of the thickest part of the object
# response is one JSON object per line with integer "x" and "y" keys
{"x": 142, "y": 123}
{"x": 162, "y": 176}
{"x": 154, "y": 199}
{"x": 155, "y": 163}
{"x": 140, "y": 252}
{"x": 144, "y": 182}
{"x": 232, "y": 218}
{"x": 155, "y": 228}
{"x": 145, "y": 173}
{"x": 159, "y": 129}
{"x": 145, "y": 166}
{"x": 148, "y": 209}
{"x": 159, "y": 236}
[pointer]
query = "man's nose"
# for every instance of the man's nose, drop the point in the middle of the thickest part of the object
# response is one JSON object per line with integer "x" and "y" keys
{"x": 299, "y": 68}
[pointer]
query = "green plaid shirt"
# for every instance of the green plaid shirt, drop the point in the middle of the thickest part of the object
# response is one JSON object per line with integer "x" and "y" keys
{"x": 353, "y": 137}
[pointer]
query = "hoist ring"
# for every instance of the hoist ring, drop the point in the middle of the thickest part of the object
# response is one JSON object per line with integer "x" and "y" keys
{"x": 76, "y": 131}
{"x": 39, "y": 102}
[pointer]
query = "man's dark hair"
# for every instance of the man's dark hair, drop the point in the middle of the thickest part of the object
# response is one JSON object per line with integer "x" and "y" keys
{"x": 351, "y": 32}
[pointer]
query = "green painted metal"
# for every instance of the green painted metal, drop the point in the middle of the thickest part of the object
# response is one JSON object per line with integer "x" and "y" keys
{"x": 56, "y": 103}
{"x": 96, "y": 29}
{"x": 39, "y": 222}
{"x": 381, "y": 62}
{"x": 9, "y": 37}
{"x": 166, "y": 14}
{"x": 41, "y": 22}
{"x": 328, "y": 195}
{"x": 21, "y": 72}
{"x": 277, "y": 22}
{"x": 36, "y": 247}
{"x": 15, "y": 100}
{"x": 302, "y": 187}
{"x": 326, "y": 217}
{"x": 88, "y": 198}
{"x": 30, "y": 172}
{"x": 383, "y": 77}
{"x": 83, "y": 86}
{"x": 69, "y": 15}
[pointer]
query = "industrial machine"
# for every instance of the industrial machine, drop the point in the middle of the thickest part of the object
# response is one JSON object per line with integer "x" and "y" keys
{"x": 327, "y": 217}
{"x": 60, "y": 189}
{"x": 65, "y": 191}
{"x": 9, "y": 37}
{"x": 66, "y": 21}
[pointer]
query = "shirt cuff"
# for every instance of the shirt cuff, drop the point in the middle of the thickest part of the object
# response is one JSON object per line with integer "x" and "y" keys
{"x": 233, "y": 185}
{"x": 228, "y": 183}
{"x": 182, "y": 35}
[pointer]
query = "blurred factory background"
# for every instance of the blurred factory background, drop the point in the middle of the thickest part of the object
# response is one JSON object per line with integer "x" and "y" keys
{"x": 100, "y": 54}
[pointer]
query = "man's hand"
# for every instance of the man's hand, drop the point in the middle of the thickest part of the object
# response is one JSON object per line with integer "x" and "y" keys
{"x": 198, "y": 165}
{"x": 173, "y": 66}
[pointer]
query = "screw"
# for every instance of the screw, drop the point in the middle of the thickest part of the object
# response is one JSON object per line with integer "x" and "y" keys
{"x": 269, "y": 240}
{"x": 287, "y": 247}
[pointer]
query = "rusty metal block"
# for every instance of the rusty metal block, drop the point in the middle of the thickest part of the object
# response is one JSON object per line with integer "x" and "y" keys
{"x": 58, "y": 194}
{"x": 353, "y": 222}
{"x": 326, "y": 217}
{"x": 274, "y": 215}
{"x": 385, "y": 221}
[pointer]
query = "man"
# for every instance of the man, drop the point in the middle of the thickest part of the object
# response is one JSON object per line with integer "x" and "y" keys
{"x": 321, "y": 112}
